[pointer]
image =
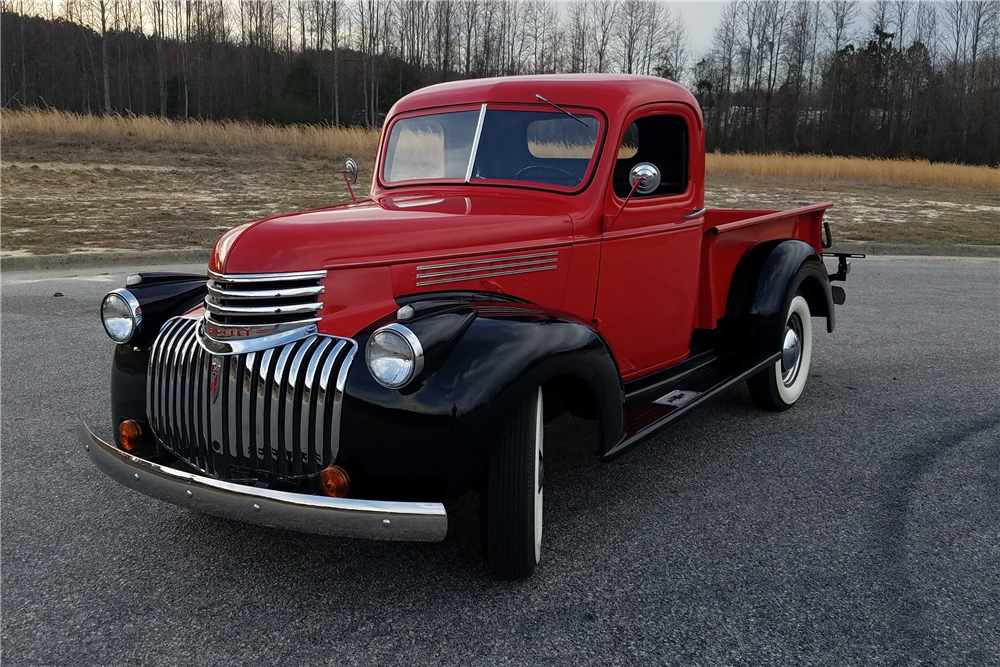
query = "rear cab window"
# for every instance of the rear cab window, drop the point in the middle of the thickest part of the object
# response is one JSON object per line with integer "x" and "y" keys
{"x": 661, "y": 140}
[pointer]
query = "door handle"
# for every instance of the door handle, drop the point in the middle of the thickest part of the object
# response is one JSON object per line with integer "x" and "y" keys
{"x": 698, "y": 212}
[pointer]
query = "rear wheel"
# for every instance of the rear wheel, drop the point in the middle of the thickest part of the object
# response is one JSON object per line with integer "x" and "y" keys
{"x": 512, "y": 498}
{"x": 779, "y": 387}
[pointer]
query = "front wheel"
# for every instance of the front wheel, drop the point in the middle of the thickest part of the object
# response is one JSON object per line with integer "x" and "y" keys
{"x": 779, "y": 387}
{"x": 512, "y": 498}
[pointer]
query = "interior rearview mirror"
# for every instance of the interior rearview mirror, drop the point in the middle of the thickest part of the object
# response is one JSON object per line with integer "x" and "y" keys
{"x": 647, "y": 176}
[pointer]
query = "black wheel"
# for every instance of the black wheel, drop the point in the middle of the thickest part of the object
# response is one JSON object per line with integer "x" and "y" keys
{"x": 777, "y": 388}
{"x": 512, "y": 498}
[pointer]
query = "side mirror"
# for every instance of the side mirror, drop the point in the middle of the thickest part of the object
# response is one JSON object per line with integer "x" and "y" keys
{"x": 351, "y": 171}
{"x": 644, "y": 178}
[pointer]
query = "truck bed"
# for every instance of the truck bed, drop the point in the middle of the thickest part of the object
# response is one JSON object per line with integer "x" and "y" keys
{"x": 727, "y": 235}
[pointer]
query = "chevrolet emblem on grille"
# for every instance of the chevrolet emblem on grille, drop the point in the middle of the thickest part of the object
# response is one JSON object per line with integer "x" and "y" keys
{"x": 225, "y": 333}
{"x": 214, "y": 380}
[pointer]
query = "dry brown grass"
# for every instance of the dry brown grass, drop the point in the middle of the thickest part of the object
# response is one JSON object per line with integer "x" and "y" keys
{"x": 312, "y": 140}
{"x": 909, "y": 172}
{"x": 221, "y": 134}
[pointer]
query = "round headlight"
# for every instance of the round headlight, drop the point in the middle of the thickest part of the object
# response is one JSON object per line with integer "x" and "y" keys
{"x": 121, "y": 315}
{"x": 394, "y": 356}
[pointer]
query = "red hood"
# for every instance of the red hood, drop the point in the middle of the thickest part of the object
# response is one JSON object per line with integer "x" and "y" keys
{"x": 389, "y": 230}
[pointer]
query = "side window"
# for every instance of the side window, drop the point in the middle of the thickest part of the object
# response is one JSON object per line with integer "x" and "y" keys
{"x": 661, "y": 140}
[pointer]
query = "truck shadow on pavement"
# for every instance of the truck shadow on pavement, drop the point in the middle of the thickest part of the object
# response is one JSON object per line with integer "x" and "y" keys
{"x": 584, "y": 498}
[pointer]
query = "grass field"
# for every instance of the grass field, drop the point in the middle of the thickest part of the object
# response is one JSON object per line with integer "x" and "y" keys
{"x": 72, "y": 183}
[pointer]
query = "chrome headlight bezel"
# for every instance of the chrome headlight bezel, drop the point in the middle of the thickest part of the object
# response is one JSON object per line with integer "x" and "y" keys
{"x": 130, "y": 307}
{"x": 412, "y": 343}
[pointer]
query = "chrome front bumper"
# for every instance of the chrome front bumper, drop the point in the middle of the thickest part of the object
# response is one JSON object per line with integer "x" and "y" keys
{"x": 345, "y": 517}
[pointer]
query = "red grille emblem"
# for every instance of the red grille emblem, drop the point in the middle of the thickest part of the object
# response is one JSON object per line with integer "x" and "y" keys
{"x": 214, "y": 380}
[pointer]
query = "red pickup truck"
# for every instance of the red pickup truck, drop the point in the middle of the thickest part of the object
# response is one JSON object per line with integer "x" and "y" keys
{"x": 529, "y": 246}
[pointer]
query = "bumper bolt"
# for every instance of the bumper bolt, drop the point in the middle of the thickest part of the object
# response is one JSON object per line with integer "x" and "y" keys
{"x": 190, "y": 495}
{"x": 256, "y": 507}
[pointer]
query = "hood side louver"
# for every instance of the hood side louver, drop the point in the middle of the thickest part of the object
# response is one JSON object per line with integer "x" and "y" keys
{"x": 476, "y": 269}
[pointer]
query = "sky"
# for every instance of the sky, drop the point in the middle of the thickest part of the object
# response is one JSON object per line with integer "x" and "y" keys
{"x": 701, "y": 19}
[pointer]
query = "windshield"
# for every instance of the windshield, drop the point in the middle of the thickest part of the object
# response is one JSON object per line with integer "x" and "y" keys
{"x": 542, "y": 147}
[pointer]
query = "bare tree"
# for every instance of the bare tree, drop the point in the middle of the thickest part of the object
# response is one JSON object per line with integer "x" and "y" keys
{"x": 603, "y": 15}
{"x": 579, "y": 23}
{"x": 630, "y": 29}
{"x": 334, "y": 13}
{"x": 674, "y": 55}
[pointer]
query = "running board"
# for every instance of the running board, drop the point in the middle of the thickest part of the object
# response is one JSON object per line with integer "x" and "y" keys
{"x": 663, "y": 402}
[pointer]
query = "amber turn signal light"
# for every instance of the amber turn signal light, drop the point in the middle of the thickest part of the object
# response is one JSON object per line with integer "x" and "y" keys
{"x": 130, "y": 434}
{"x": 335, "y": 482}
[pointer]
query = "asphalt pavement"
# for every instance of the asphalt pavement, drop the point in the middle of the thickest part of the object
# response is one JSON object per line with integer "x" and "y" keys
{"x": 862, "y": 527}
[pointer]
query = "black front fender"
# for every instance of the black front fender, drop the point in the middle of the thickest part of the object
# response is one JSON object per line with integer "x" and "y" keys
{"x": 160, "y": 296}
{"x": 438, "y": 429}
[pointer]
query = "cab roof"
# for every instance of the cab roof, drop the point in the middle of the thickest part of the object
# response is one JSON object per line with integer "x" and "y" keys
{"x": 614, "y": 94}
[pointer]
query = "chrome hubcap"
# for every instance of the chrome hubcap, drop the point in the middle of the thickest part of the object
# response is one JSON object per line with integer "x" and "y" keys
{"x": 791, "y": 351}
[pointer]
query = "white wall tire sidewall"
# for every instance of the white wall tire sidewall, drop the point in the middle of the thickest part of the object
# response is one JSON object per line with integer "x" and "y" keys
{"x": 791, "y": 394}
{"x": 539, "y": 490}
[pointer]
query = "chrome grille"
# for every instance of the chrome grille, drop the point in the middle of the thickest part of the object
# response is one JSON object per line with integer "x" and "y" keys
{"x": 253, "y": 305}
{"x": 273, "y": 412}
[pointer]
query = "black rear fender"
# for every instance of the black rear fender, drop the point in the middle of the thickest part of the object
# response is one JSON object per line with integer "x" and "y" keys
{"x": 765, "y": 278}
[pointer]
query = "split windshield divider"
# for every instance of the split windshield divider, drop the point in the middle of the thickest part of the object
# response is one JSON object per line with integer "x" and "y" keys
{"x": 475, "y": 143}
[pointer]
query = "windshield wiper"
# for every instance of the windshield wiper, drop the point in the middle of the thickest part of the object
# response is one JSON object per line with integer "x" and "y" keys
{"x": 542, "y": 99}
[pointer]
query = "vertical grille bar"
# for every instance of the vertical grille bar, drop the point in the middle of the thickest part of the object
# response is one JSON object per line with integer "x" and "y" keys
{"x": 184, "y": 386}
{"x": 293, "y": 396}
{"x": 246, "y": 414}
{"x": 275, "y": 411}
{"x": 232, "y": 398}
{"x": 216, "y": 380}
{"x": 198, "y": 449}
{"x": 338, "y": 401}
{"x": 278, "y": 412}
{"x": 263, "y": 442}
{"x": 322, "y": 421}
{"x": 307, "y": 421}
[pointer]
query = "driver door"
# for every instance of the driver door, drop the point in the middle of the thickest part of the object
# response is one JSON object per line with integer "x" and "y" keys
{"x": 651, "y": 248}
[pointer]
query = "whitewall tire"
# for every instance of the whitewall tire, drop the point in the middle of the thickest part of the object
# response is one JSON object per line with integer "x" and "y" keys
{"x": 513, "y": 495}
{"x": 779, "y": 387}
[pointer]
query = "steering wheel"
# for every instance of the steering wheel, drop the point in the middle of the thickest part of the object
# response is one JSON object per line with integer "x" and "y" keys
{"x": 573, "y": 177}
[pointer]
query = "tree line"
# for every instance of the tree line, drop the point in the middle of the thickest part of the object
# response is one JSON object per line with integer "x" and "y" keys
{"x": 885, "y": 78}
{"x": 340, "y": 61}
